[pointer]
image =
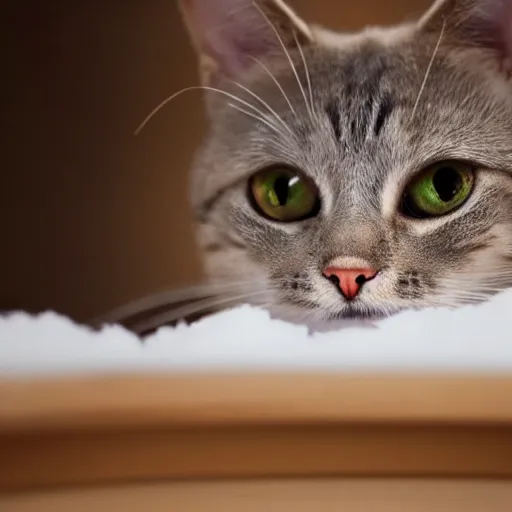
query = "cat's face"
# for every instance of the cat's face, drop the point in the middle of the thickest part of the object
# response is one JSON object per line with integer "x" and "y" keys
{"x": 356, "y": 175}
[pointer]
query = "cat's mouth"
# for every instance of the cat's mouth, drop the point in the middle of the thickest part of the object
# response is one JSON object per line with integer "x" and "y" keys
{"x": 352, "y": 312}
{"x": 350, "y": 316}
{"x": 357, "y": 310}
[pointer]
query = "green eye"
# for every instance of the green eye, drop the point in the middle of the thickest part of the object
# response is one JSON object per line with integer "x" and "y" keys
{"x": 438, "y": 190}
{"x": 284, "y": 194}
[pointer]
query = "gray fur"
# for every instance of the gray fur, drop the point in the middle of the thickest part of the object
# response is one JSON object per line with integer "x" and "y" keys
{"x": 361, "y": 144}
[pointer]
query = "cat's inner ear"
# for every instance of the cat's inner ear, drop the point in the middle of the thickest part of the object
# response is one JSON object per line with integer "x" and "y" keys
{"x": 230, "y": 35}
{"x": 473, "y": 23}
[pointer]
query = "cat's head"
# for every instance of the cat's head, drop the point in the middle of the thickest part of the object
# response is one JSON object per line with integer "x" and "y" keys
{"x": 360, "y": 174}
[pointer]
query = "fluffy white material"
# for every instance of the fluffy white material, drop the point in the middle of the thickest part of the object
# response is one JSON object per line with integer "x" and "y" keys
{"x": 470, "y": 339}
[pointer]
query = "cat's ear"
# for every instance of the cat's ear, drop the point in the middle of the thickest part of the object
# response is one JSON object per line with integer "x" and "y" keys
{"x": 473, "y": 23}
{"x": 229, "y": 34}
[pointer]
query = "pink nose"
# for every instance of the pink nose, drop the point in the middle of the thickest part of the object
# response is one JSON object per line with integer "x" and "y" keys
{"x": 349, "y": 280}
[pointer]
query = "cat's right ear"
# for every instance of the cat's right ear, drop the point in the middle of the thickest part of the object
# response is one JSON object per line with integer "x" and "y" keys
{"x": 485, "y": 24}
{"x": 229, "y": 35}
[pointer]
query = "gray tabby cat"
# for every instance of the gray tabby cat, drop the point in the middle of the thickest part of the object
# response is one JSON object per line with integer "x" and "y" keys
{"x": 354, "y": 175}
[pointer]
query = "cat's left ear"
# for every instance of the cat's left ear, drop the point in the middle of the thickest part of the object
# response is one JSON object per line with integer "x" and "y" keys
{"x": 483, "y": 24}
{"x": 228, "y": 35}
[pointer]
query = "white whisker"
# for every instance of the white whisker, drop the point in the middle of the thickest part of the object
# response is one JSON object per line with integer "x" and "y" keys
{"x": 276, "y": 82}
{"x": 306, "y": 68}
{"x": 193, "y": 88}
{"x": 264, "y": 103}
{"x": 453, "y": 295}
{"x": 182, "y": 312}
{"x": 287, "y": 53}
{"x": 168, "y": 298}
{"x": 427, "y": 73}
{"x": 261, "y": 119}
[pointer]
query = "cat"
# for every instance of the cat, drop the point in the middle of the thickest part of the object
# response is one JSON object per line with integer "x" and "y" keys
{"x": 354, "y": 175}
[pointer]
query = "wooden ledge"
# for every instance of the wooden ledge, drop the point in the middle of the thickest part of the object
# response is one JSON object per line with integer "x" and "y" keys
{"x": 115, "y": 430}
{"x": 195, "y": 400}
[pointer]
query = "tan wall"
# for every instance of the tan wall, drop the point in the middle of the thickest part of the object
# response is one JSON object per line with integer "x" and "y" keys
{"x": 91, "y": 215}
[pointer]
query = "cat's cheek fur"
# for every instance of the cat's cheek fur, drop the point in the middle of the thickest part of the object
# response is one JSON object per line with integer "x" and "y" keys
{"x": 226, "y": 262}
{"x": 474, "y": 281}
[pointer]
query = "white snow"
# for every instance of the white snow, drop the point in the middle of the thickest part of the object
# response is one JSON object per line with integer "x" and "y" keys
{"x": 469, "y": 339}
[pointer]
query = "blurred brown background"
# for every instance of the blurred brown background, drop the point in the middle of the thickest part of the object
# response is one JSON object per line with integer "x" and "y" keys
{"x": 93, "y": 216}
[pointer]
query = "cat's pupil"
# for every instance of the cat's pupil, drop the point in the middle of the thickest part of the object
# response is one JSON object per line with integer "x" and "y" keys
{"x": 281, "y": 188}
{"x": 447, "y": 182}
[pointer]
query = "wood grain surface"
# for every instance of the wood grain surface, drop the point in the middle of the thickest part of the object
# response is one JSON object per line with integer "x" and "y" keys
{"x": 140, "y": 428}
{"x": 297, "y": 495}
{"x": 163, "y": 401}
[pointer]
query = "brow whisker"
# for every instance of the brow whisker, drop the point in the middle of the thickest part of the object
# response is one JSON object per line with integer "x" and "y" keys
{"x": 287, "y": 54}
{"x": 254, "y": 116}
{"x": 264, "y": 103}
{"x": 194, "y": 88}
{"x": 429, "y": 69}
{"x": 306, "y": 68}
{"x": 276, "y": 82}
